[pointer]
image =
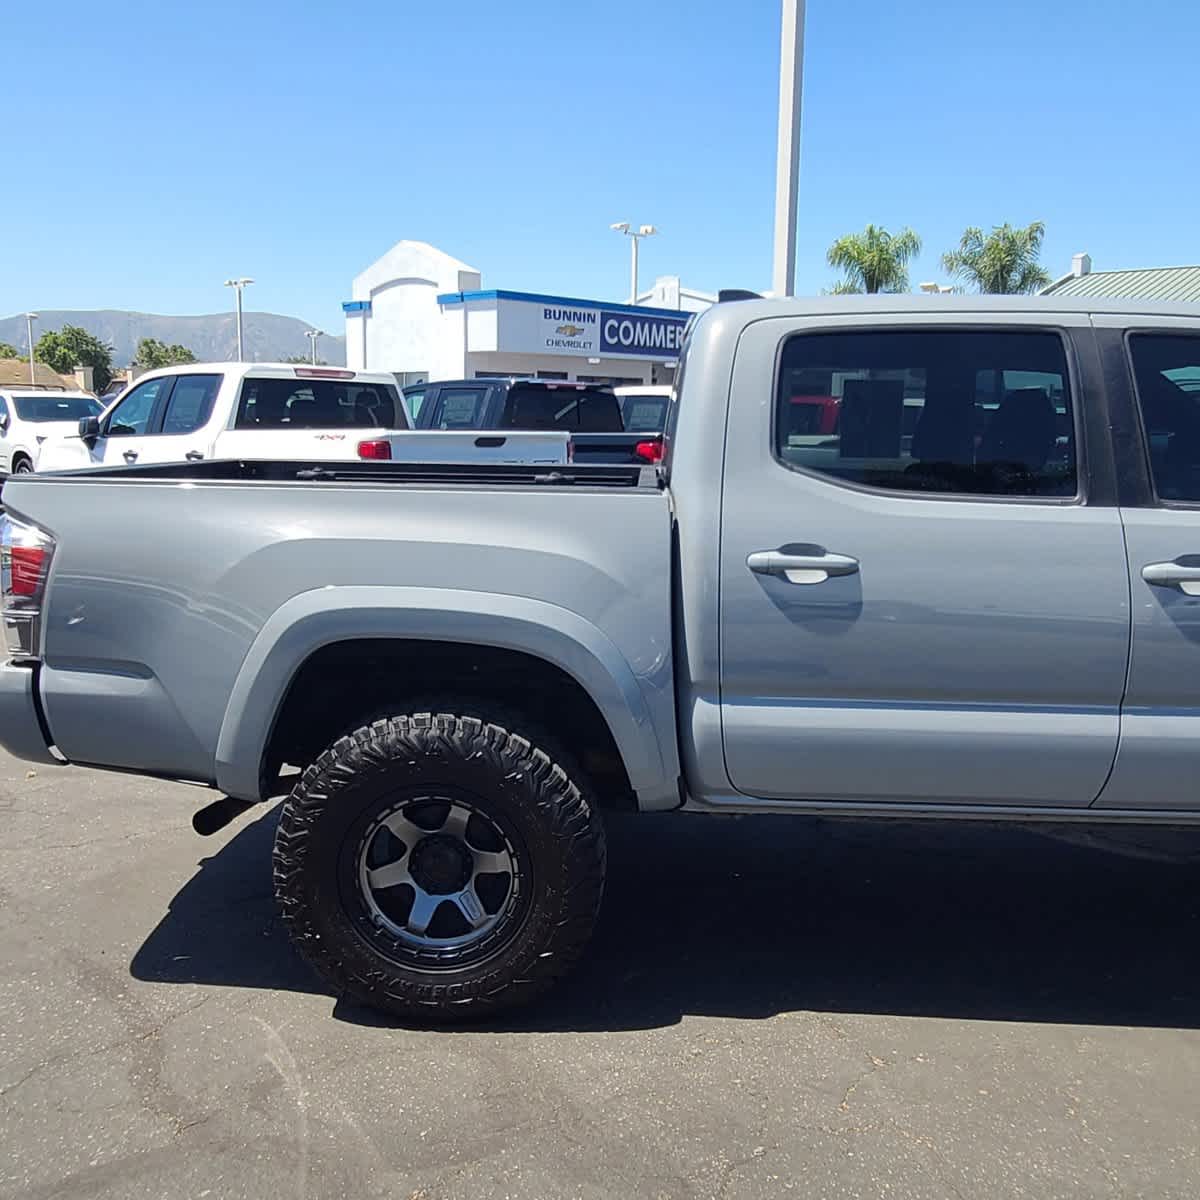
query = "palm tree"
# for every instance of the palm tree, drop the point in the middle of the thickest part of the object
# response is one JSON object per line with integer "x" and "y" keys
{"x": 843, "y": 287}
{"x": 874, "y": 260}
{"x": 1005, "y": 262}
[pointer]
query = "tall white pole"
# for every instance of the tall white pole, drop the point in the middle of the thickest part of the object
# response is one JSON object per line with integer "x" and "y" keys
{"x": 787, "y": 163}
{"x": 633, "y": 277}
{"x": 238, "y": 289}
{"x": 29, "y": 318}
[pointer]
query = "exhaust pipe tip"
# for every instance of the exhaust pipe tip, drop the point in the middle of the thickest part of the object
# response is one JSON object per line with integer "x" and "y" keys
{"x": 215, "y": 816}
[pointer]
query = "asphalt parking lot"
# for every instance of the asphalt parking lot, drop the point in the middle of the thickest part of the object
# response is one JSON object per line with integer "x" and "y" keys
{"x": 769, "y": 1007}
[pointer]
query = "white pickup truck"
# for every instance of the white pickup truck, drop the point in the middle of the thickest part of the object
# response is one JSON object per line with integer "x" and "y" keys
{"x": 275, "y": 411}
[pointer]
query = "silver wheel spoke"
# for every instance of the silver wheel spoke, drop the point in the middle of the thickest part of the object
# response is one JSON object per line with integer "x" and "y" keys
{"x": 489, "y": 862}
{"x": 427, "y": 860}
{"x": 424, "y": 906}
{"x": 468, "y": 903}
{"x": 456, "y": 822}
{"x": 390, "y": 875}
{"x": 401, "y": 827}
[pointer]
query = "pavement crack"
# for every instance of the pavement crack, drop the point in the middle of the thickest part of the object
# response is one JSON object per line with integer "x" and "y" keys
{"x": 877, "y": 1065}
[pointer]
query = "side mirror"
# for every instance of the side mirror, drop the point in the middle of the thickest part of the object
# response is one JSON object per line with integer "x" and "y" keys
{"x": 89, "y": 429}
{"x": 4, "y": 420}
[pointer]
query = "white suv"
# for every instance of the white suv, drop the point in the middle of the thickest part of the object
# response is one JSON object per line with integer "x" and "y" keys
{"x": 28, "y": 416}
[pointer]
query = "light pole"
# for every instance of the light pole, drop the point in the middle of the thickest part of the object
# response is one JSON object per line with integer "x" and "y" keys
{"x": 787, "y": 162}
{"x": 29, "y": 320}
{"x": 238, "y": 285}
{"x": 635, "y": 236}
{"x": 312, "y": 335}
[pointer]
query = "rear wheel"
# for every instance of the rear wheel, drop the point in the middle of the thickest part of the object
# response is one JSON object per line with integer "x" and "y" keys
{"x": 439, "y": 865}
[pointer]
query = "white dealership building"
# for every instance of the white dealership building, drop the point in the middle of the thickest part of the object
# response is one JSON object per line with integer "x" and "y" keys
{"x": 421, "y": 313}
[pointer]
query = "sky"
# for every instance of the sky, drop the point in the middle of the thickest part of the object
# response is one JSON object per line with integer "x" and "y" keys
{"x": 155, "y": 149}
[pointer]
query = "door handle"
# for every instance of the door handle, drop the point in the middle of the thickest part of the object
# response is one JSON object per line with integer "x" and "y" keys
{"x": 1173, "y": 574}
{"x": 801, "y": 568}
{"x": 130, "y": 456}
{"x": 194, "y": 455}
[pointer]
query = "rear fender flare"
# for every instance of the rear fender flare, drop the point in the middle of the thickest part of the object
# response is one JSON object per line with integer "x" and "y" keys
{"x": 321, "y": 617}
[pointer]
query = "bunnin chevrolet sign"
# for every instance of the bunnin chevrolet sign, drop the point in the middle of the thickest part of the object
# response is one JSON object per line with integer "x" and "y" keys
{"x": 529, "y": 323}
{"x": 566, "y": 330}
{"x": 547, "y": 325}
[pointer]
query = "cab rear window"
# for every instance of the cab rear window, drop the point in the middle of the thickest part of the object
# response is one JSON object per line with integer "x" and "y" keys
{"x": 318, "y": 404}
{"x": 589, "y": 410}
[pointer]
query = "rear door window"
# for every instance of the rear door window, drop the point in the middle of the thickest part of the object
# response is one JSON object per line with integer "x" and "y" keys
{"x": 984, "y": 412}
{"x": 644, "y": 414}
{"x": 190, "y": 403}
{"x": 1166, "y": 370}
{"x": 461, "y": 408}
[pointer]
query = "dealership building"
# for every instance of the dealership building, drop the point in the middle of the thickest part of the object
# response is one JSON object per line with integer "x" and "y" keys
{"x": 424, "y": 315}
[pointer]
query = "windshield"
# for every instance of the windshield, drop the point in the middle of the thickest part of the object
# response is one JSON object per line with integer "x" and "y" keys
{"x": 55, "y": 408}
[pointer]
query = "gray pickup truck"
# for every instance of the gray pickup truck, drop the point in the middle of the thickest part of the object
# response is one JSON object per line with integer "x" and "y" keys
{"x": 905, "y": 555}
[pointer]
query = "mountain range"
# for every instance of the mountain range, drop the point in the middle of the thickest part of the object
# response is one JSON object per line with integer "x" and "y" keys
{"x": 267, "y": 337}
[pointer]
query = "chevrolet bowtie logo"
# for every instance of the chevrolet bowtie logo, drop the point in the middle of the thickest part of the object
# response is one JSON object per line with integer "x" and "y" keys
{"x": 570, "y": 330}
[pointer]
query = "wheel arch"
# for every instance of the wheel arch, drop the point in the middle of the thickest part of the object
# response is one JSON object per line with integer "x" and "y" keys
{"x": 554, "y": 644}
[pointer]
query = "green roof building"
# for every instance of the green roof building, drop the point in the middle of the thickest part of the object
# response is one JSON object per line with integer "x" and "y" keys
{"x": 1151, "y": 283}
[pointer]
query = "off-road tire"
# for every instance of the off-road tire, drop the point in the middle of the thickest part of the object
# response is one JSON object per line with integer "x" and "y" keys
{"x": 525, "y": 782}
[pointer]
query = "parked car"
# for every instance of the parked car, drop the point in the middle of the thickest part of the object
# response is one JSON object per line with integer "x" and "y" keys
{"x": 644, "y": 409}
{"x": 31, "y": 416}
{"x": 995, "y": 616}
{"x": 266, "y": 410}
{"x": 590, "y": 413}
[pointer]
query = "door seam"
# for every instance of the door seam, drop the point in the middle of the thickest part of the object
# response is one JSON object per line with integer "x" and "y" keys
{"x": 1128, "y": 661}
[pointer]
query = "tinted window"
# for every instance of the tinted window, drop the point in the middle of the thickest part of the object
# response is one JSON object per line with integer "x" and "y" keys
{"x": 1167, "y": 371}
{"x": 461, "y": 408}
{"x": 191, "y": 403}
{"x": 52, "y": 408}
{"x": 132, "y": 415}
{"x": 283, "y": 403}
{"x": 586, "y": 410}
{"x": 979, "y": 413}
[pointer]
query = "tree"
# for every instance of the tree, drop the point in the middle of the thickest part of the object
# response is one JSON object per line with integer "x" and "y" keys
{"x": 305, "y": 360}
{"x": 7, "y": 351}
{"x": 72, "y": 347}
{"x": 1004, "y": 262}
{"x": 151, "y": 353}
{"x": 843, "y": 287}
{"x": 874, "y": 260}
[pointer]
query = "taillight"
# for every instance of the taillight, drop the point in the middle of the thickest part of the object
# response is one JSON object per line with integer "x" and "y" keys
{"x": 376, "y": 448}
{"x": 25, "y": 555}
{"x": 650, "y": 452}
{"x": 28, "y": 565}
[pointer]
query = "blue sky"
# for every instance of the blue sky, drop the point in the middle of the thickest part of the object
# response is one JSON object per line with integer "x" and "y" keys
{"x": 155, "y": 149}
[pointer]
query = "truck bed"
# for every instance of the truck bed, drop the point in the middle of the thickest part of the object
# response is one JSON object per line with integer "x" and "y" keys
{"x": 179, "y": 591}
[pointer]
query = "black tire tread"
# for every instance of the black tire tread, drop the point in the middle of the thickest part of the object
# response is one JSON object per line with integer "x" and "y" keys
{"x": 451, "y": 728}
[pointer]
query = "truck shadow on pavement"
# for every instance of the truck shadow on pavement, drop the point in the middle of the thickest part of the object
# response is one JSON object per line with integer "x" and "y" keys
{"x": 749, "y": 917}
